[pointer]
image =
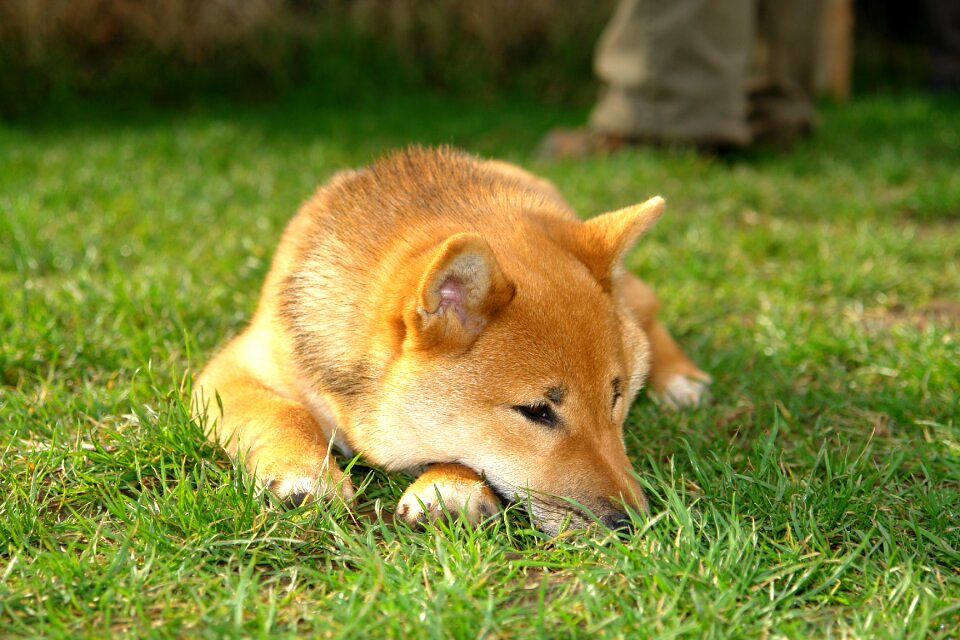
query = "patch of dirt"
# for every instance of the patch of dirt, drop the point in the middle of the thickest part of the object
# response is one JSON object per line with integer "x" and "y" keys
{"x": 939, "y": 313}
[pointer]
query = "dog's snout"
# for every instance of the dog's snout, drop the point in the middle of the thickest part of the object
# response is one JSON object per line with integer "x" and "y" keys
{"x": 617, "y": 521}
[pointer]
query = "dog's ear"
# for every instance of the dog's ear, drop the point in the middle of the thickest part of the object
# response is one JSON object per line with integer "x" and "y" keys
{"x": 604, "y": 240}
{"x": 460, "y": 290}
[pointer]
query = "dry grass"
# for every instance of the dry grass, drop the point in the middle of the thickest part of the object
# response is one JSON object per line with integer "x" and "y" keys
{"x": 193, "y": 30}
{"x": 498, "y": 31}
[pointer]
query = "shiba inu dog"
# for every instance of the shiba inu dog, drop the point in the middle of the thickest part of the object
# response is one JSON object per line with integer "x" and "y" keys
{"x": 439, "y": 312}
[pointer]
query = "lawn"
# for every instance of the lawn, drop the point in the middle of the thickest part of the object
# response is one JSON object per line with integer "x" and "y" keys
{"x": 818, "y": 494}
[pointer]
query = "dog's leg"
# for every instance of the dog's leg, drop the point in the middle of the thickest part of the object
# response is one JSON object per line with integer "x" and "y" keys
{"x": 675, "y": 379}
{"x": 277, "y": 438}
{"x": 451, "y": 487}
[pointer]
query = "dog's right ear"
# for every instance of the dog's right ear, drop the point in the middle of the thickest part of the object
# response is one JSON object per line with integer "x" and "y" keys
{"x": 460, "y": 290}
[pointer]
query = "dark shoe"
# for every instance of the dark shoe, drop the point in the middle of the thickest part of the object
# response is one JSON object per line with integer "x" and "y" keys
{"x": 583, "y": 143}
{"x": 777, "y": 120}
{"x": 578, "y": 143}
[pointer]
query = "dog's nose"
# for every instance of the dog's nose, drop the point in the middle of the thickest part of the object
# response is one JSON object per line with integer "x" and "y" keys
{"x": 617, "y": 522}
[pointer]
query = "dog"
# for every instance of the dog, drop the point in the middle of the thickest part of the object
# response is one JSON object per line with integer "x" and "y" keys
{"x": 442, "y": 313}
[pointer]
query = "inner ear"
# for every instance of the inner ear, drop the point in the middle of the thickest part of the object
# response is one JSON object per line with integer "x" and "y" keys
{"x": 461, "y": 289}
{"x": 453, "y": 296}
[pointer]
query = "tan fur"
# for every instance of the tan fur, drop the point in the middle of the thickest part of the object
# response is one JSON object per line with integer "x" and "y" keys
{"x": 414, "y": 308}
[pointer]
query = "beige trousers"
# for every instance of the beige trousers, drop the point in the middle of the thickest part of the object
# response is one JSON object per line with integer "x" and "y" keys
{"x": 708, "y": 71}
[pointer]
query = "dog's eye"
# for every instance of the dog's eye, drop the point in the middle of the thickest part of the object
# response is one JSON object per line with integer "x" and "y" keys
{"x": 617, "y": 393}
{"x": 539, "y": 413}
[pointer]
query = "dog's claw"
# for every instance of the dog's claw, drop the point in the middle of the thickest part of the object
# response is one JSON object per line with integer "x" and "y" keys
{"x": 298, "y": 498}
{"x": 297, "y": 490}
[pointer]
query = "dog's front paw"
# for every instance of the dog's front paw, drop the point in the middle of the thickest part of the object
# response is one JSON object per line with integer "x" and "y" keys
{"x": 449, "y": 488}
{"x": 679, "y": 391}
{"x": 300, "y": 484}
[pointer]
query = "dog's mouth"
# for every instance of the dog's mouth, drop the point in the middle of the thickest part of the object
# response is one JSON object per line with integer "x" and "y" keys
{"x": 499, "y": 491}
{"x": 549, "y": 513}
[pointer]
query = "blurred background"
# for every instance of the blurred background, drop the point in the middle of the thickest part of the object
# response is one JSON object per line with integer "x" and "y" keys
{"x": 134, "y": 51}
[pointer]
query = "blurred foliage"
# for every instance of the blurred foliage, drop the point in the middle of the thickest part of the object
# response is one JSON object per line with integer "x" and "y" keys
{"x": 51, "y": 50}
{"x": 341, "y": 51}
{"x": 892, "y": 45}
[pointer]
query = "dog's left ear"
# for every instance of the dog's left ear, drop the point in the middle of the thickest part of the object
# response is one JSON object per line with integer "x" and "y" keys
{"x": 606, "y": 239}
{"x": 460, "y": 290}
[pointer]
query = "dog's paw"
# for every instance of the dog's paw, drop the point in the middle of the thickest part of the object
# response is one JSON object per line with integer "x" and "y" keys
{"x": 681, "y": 391}
{"x": 302, "y": 485}
{"x": 457, "y": 494}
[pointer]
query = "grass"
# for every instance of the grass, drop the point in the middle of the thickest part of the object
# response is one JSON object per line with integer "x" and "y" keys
{"x": 817, "y": 495}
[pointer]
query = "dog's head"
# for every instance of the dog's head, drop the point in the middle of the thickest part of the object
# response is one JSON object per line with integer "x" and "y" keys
{"x": 523, "y": 366}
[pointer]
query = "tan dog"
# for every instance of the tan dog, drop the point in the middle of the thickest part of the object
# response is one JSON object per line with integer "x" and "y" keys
{"x": 436, "y": 310}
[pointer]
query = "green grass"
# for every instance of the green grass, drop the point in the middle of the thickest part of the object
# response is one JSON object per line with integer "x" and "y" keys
{"x": 817, "y": 495}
